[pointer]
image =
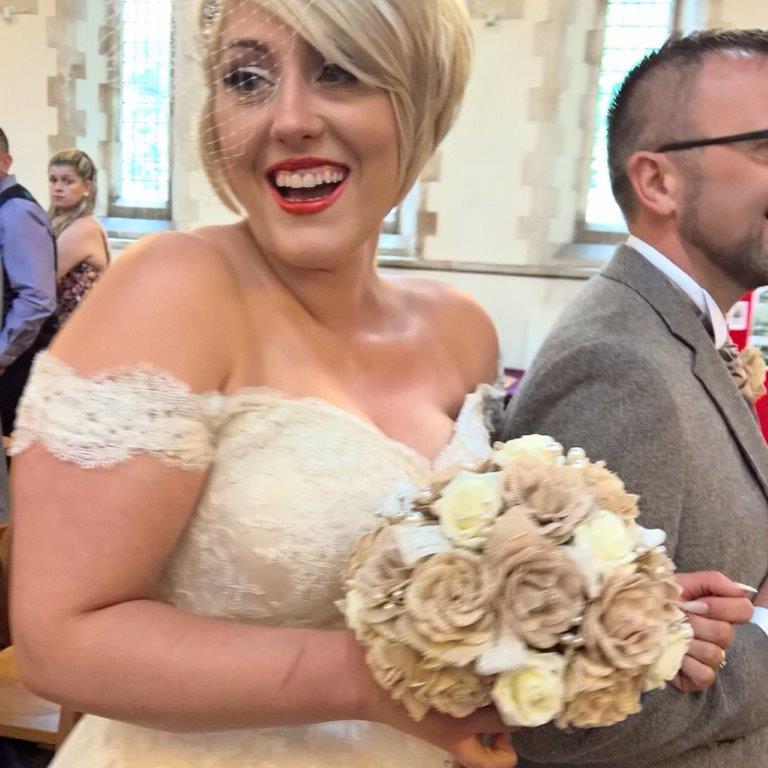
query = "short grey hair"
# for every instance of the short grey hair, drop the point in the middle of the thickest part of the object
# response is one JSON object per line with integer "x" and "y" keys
{"x": 652, "y": 105}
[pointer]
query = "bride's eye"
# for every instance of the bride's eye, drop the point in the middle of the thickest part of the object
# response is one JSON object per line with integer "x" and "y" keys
{"x": 335, "y": 75}
{"x": 248, "y": 79}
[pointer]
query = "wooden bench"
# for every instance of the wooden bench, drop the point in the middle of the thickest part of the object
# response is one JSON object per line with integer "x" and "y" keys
{"x": 25, "y": 716}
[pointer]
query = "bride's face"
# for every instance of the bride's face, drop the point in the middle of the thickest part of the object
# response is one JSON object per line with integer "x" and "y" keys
{"x": 310, "y": 152}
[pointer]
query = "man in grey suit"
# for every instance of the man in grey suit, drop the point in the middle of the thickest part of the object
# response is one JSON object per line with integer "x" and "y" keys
{"x": 632, "y": 373}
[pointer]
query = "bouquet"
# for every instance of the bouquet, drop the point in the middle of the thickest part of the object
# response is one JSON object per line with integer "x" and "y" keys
{"x": 523, "y": 581}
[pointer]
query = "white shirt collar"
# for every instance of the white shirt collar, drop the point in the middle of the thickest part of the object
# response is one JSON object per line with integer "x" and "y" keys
{"x": 700, "y": 297}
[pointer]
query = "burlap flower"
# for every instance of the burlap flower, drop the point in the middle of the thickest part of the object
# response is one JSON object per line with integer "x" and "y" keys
{"x": 608, "y": 490}
{"x": 449, "y": 615}
{"x": 555, "y": 494}
{"x": 754, "y": 367}
{"x": 598, "y": 695}
{"x": 629, "y": 620}
{"x": 420, "y": 684}
{"x": 658, "y": 567}
{"x": 542, "y": 593}
{"x": 379, "y": 581}
{"x": 363, "y": 548}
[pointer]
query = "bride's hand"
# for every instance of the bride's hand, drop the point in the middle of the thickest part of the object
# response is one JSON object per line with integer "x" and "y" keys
{"x": 462, "y": 737}
{"x": 714, "y": 604}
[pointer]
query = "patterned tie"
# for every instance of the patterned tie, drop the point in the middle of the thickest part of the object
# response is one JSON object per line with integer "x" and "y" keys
{"x": 747, "y": 368}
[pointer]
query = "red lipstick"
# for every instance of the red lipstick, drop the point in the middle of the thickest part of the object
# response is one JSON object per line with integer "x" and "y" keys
{"x": 305, "y": 207}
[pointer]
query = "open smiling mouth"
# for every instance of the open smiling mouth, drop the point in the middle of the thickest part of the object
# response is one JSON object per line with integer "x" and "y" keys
{"x": 308, "y": 190}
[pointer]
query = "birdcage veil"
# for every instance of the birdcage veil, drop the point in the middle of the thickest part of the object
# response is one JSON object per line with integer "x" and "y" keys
{"x": 417, "y": 52}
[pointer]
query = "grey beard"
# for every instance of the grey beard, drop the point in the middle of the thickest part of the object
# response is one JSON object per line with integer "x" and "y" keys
{"x": 744, "y": 261}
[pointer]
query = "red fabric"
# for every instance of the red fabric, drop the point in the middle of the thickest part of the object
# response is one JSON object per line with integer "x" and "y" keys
{"x": 740, "y": 338}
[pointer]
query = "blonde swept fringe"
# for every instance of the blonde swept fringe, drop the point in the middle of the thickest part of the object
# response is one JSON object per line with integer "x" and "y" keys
{"x": 419, "y": 52}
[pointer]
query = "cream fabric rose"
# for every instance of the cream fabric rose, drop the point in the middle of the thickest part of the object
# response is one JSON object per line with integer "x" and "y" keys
{"x": 556, "y": 495}
{"x": 420, "y": 684}
{"x": 541, "y": 446}
{"x": 467, "y": 507}
{"x": 542, "y": 592}
{"x": 449, "y": 614}
{"x": 628, "y": 622}
{"x": 610, "y": 542}
{"x": 533, "y": 694}
{"x": 608, "y": 490}
{"x": 598, "y": 695}
{"x": 675, "y": 647}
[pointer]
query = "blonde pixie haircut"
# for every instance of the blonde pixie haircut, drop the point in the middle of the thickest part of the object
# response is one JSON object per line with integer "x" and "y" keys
{"x": 418, "y": 51}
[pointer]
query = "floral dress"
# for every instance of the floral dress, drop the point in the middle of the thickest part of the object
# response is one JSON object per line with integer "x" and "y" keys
{"x": 73, "y": 287}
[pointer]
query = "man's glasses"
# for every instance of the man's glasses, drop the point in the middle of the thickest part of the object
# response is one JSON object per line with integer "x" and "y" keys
{"x": 677, "y": 146}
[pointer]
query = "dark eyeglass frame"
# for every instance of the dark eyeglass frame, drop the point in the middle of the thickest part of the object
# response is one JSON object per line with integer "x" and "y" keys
{"x": 678, "y": 146}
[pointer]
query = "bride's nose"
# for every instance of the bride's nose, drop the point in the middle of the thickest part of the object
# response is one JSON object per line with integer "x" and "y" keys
{"x": 295, "y": 115}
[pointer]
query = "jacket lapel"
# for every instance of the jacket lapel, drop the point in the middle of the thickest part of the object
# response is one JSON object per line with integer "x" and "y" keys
{"x": 631, "y": 269}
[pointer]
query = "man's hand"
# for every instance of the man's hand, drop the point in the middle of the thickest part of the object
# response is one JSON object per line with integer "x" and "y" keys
{"x": 713, "y": 604}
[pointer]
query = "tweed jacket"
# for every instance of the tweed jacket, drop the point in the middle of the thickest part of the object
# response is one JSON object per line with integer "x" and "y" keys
{"x": 630, "y": 374}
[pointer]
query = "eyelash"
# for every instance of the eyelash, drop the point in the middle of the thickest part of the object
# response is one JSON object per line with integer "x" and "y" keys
{"x": 246, "y": 79}
{"x": 347, "y": 78}
{"x": 250, "y": 80}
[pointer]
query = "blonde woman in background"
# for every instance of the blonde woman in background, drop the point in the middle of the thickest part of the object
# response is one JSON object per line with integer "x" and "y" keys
{"x": 82, "y": 244}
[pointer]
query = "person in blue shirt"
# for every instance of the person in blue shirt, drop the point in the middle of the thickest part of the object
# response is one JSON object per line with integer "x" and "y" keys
{"x": 28, "y": 256}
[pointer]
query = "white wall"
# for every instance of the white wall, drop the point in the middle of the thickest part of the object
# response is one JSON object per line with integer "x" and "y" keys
{"x": 26, "y": 63}
{"x": 746, "y": 14}
{"x": 523, "y": 309}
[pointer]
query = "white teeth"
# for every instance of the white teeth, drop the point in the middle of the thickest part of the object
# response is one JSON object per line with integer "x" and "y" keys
{"x": 309, "y": 178}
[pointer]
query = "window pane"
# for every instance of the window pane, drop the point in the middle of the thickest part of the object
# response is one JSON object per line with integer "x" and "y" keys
{"x": 145, "y": 108}
{"x": 634, "y": 28}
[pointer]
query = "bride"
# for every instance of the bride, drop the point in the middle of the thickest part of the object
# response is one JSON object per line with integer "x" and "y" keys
{"x": 202, "y": 445}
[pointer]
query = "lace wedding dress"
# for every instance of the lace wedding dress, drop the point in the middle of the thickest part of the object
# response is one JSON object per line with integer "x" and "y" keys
{"x": 293, "y": 483}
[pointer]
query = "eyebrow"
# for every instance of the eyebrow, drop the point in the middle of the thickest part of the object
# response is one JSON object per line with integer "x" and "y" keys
{"x": 250, "y": 45}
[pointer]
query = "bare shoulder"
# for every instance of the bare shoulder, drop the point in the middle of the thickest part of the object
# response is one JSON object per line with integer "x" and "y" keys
{"x": 458, "y": 323}
{"x": 80, "y": 235}
{"x": 170, "y": 301}
{"x": 85, "y": 225}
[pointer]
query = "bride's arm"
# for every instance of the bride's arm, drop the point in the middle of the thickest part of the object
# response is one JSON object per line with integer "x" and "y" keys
{"x": 91, "y": 545}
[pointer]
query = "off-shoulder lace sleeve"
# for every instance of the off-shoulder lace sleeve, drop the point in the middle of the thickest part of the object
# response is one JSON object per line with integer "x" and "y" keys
{"x": 105, "y": 420}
